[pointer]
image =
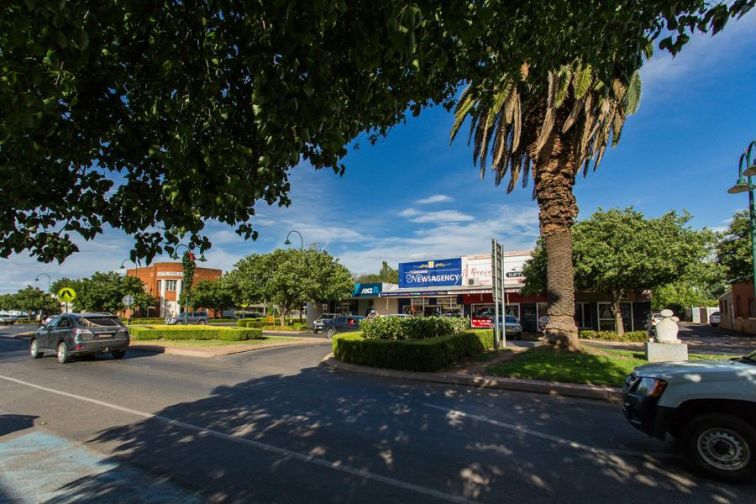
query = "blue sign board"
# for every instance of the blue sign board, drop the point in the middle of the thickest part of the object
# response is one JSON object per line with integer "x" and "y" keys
{"x": 433, "y": 273}
{"x": 366, "y": 290}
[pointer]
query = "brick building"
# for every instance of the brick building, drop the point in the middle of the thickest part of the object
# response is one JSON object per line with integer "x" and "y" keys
{"x": 737, "y": 308}
{"x": 164, "y": 281}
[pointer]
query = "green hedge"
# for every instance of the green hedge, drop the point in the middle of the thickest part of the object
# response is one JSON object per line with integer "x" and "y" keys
{"x": 220, "y": 320}
{"x": 256, "y": 323}
{"x": 429, "y": 354}
{"x": 145, "y": 321}
{"x": 628, "y": 337}
{"x": 411, "y": 328}
{"x": 193, "y": 332}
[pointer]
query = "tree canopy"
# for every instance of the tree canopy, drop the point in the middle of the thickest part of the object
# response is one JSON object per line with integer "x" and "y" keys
{"x": 734, "y": 249}
{"x": 214, "y": 294}
{"x": 290, "y": 278}
{"x": 154, "y": 117}
{"x": 105, "y": 292}
{"x": 30, "y": 300}
{"x": 616, "y": 252}
{"x": 386, "y": 274}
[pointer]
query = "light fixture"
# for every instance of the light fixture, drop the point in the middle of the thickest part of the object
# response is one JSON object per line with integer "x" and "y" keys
{"x": 287, "y": 242}
{"x": 751, "y": 170}
{"x": 739, "y": 187}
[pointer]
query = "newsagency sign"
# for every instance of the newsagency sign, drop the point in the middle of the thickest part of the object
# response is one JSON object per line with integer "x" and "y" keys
{"x": 434, "y": 273}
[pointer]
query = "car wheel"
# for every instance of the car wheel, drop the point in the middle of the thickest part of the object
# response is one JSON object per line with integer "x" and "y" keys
{"x": 330, "y": 333}
{"x": 34, "y": 349}
{"x": 721, "y": 446}
{"x": 63, "y": 356}
{"x": 118, "y": 354}
{"x": 315, "y": 331}
{"x": 202, "y": 322}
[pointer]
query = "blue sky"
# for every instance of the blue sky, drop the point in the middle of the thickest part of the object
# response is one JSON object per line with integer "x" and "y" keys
{"x": 413, "y": 196}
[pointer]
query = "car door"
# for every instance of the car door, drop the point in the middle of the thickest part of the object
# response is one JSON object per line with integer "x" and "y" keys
{"x": 44, "y": 336}
{"x": 61, "y": 330}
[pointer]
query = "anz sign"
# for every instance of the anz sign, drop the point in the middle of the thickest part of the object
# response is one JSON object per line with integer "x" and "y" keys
{"x": 366, "y": 290}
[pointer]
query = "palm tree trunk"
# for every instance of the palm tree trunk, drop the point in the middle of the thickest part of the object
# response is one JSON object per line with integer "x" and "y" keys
{"x": 555, "y": 178}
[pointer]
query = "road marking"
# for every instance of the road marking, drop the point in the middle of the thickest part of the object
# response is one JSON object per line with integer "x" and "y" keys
{"x": 549, "y": 437}
{"x": 336, "y": 466}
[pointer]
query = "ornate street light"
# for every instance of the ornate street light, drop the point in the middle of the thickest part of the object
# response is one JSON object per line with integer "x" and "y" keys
{"x": 288, "y": 241}
{"x": 747, "y": 169}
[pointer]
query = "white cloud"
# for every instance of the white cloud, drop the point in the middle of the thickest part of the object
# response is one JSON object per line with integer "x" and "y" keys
{"x": 442, "y": 216}
{"x": 436, "y": 198}
{"x": 515, "y": 226}
{"x": 408, "y": 212}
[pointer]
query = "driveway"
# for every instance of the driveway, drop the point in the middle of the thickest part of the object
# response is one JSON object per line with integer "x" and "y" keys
{"x": 703, "y": 338}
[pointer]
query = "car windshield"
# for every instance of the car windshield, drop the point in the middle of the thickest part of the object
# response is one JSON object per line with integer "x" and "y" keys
{"x": 511, "y": 320}
{"x": 99, "y": 321}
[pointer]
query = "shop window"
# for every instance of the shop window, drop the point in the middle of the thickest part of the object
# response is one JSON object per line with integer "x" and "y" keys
{"x": 751, "y": 307}
{"x": 738, "y": 310}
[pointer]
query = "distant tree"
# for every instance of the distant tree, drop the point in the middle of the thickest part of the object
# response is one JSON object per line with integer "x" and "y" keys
{"x": 105, "y": 291}
{"x": 701, "y": 285}
{"x": 387, "y": 274}
{"x": 620, "y": 251}
{"x": 33, "y": 300}
{"x": 734, "y": 249}
{"x": 213, "y": 294}
{"x": 290, "y": 278}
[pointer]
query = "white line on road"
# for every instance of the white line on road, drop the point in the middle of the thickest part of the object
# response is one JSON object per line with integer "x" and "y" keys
{"x": 556, "y": 439}
{"x": 336, "y": 466}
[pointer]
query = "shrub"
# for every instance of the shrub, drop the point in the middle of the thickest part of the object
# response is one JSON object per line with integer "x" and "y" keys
{"x": 279, "y": 328}
{"x": 411, "y": 328}
{"x": 428, "y": 354}
{"x": 629, "y": 337}
{"x": 256, "y": 323}
{"x": 192, "y": 332}
{"x": 145, "y": 321}
{"x": 220, "y": 320}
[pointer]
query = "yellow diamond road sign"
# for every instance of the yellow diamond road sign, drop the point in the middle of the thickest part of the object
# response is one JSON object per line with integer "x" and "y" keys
{"x": 66, "y": 294}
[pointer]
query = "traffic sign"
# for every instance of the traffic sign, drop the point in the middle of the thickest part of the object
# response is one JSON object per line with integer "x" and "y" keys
{"x": 66, "y": 294}
{"x": 128, "y": 300}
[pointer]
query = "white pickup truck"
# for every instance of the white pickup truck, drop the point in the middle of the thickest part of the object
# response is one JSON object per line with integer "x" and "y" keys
{"x": 710, "y": 406}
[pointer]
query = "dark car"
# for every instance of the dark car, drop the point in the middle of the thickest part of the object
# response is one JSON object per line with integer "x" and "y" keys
{"x": 74, "y": 334}
{"x": 341, "y": 324}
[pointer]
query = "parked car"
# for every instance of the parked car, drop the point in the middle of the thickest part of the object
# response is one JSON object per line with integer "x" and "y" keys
{"x": 397, "y": 315}
{"x": 341, "y": 324}
{"x": 715, "y": 319}
{"x": 513, "y": 327}
{"x": 8, "y": 319}
{"x": 73, "y": 334}
{"x": 709, "y": 406}
{"x": 317, "y": 324}
{"x": 199, "y": 317}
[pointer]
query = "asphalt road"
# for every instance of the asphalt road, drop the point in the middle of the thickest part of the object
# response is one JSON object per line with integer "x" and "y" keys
{"x": 272, "y": 426}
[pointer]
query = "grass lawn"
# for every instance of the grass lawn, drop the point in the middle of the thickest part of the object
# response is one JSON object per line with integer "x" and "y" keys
{"x": 213, "y": 343}
{"x": 591, "y": 365}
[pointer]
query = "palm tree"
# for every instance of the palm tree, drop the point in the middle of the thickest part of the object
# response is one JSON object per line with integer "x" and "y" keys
{"x": 548, "y": 128}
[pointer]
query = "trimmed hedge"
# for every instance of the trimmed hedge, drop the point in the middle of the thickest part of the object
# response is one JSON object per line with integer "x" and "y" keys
{"x": 291, "y": 328}
{"x": 193, "y": 332}
{"x": 145, "y": 321}
{"x": 429, "y": 354}
{"x": 629, "y": 337}
{"x": 411, "y": 328}
{"x": 256, "y": 323}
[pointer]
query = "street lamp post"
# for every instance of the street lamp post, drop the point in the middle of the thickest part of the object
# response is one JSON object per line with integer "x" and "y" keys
{"x": 747, "y": 169}
{"x": 288, "y": 241}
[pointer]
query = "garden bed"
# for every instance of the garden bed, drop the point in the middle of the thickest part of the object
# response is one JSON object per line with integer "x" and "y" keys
{"x": 192, "y": 332}
{"x": 427, "y": 354}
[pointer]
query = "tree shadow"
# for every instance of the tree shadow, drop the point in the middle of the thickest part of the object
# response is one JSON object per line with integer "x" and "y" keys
{"x": 321, "y": 436}
{"x": 12, "y": 423}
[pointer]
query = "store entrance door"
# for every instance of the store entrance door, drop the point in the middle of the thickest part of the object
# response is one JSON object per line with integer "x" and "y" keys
{"x": 529, "y": 318}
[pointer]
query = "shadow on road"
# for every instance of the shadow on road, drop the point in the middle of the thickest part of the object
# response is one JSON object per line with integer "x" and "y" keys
{"x": 320, "y": 436}
{"x": 13, "y": 423}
